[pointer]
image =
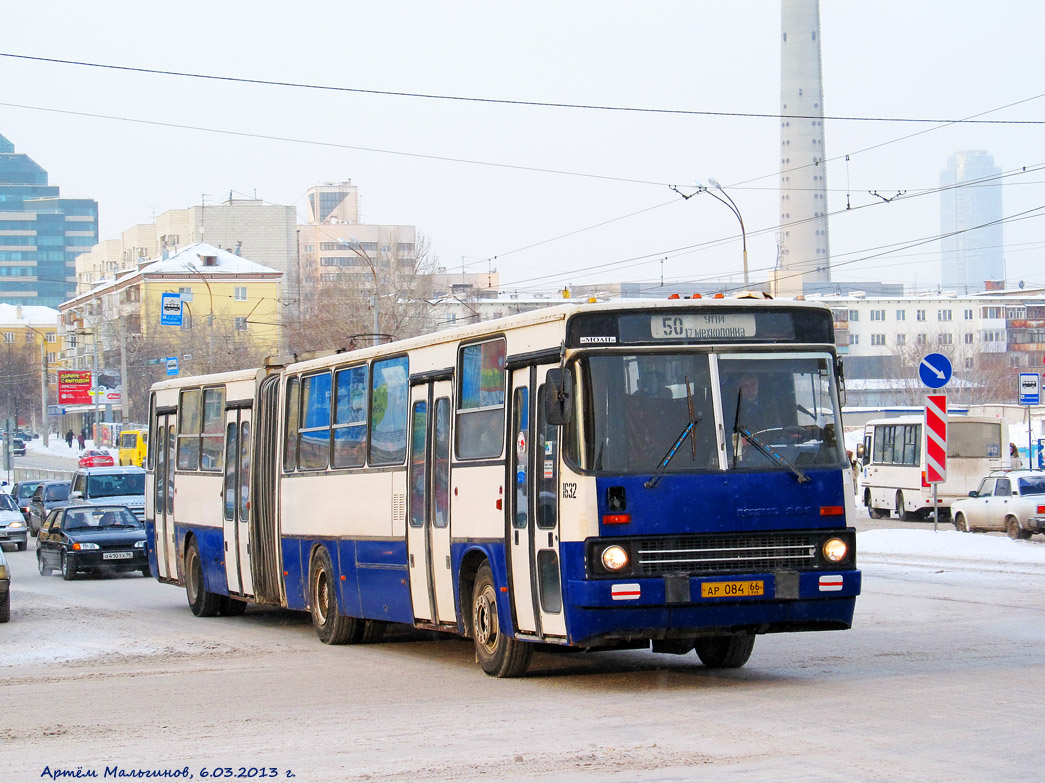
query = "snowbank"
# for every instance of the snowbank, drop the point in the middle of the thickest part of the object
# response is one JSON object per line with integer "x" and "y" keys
{"x": 948, "y": 546}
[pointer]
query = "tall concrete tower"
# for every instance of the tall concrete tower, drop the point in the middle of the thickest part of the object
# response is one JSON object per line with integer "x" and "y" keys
{"x": 803, "y": 242}
{"x": 971, "y": 255}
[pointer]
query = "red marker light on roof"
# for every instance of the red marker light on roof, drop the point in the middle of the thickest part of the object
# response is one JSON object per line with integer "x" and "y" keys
{"x": 674, "y": 296}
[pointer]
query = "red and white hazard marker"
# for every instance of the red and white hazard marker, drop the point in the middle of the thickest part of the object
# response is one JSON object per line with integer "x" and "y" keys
{"x": 935, "y": 438}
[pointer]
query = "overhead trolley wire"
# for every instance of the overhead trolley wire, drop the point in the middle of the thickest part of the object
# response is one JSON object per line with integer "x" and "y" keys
{"x": 499, "y": 101}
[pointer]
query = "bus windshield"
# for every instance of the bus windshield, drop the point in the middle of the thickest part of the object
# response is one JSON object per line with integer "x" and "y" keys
{"x": 785, "y": 403}
{"x": 636, "y": 407}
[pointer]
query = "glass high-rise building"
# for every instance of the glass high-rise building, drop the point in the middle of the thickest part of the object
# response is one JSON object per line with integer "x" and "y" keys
{"x": 970, "y": 222}
{"x": 41, "y": 234}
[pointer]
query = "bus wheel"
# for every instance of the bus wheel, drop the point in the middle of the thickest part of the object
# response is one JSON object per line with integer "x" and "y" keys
{"x": 960, "y": 524}
{"x": 1012, "y": 526}
{"x": 725, "y": 652}
{"x": 874, "y": 513}
{"x": 902, "y": 512}
{"x": 202, "y": 602}
{"x": 499, "y": 655}
{"x": 332, "y": 627}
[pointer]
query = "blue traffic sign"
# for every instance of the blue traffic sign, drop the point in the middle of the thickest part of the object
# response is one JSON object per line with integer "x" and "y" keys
{"x": 935, "y": 370}
{"x": 1030, "y": 388}
{"x": 170, "y": 310}
{"x": 172, "y": 365}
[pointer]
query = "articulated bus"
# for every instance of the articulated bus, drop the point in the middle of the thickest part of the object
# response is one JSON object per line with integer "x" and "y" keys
{"x": 598, "y": 476}
{"x": 892, "y": 457}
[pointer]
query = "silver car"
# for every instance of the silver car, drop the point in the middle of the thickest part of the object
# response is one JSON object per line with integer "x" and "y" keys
{"x": 13, "y": 528}
{"x": 1011, "y": 500}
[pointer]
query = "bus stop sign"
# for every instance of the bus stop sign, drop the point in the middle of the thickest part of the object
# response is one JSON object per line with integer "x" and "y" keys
{"x": 935, "y": 438}
{"x": 1030, "y": 388}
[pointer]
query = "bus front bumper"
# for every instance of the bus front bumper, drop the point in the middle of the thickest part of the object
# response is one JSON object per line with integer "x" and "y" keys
{"x": 602, "y": 611}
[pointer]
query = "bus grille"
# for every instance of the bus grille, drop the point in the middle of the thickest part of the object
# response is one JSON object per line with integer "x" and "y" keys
{"x": 728, "y": 553}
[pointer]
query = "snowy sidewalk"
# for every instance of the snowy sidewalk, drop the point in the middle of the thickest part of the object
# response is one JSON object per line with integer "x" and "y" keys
{"x": 949, "y": 547}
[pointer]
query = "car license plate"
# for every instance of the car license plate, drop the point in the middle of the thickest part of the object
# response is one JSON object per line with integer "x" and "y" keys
{"x": 732, "y": 589}
{"x": 117, "y": 555}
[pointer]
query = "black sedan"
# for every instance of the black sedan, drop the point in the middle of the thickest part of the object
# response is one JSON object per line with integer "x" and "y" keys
{"x": 91, "y": 538}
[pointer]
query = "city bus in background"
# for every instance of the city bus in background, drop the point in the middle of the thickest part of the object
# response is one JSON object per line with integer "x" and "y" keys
{"x": 892, "y": 473}
{"x": 595, "y": 476}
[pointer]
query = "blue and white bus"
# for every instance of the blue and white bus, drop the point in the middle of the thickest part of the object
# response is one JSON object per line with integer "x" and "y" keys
{"x": 660, "y": 475}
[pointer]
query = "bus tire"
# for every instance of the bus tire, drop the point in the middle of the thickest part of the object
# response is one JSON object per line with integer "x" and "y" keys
{"x": 1016, "y": 533}
{"x": 202, "y": 602}
{"x": 498, "y": 654}
{"x": 902, "y": 512}
{"x": 331, "y": 626}
{"x": 960, "y": 524}
{"x": 231, "y": 607}
{"x": 874, "y": 513}
{"x": 725, "y": 652}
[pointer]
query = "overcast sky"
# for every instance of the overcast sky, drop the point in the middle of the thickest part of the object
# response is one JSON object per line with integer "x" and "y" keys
{"x": 576, "y": 168}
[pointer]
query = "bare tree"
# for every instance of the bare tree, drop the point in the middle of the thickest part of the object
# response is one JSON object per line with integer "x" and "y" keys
{"x": 979, "y": 376}
{"x": 19, "y": 379}
{"x": 338, "y": 313}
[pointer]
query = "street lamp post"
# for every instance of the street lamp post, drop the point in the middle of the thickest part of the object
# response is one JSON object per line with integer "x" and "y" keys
{"x": 732, "y": 206}
{"x": 94, "y": 370}
{"x": 210, "y": 319}
{"x": 45, "y": 421}
{"x": 373, "y": 271}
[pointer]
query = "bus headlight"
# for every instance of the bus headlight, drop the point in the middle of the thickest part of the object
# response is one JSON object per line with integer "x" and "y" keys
{"x": 614, "y": 558}
{"x": 835, "y": 550}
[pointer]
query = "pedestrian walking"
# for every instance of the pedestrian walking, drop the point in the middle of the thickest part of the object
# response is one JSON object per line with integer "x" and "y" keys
{"x": 1014, "y": 457}
{"x": 81, "y": 439}
{"x": 69, "y": 438}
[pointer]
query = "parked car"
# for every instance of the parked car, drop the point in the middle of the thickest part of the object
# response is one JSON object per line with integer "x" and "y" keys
{"x": 1011, "y": 500}
{"x": 18, "y": 447}
{"x": 91, "y": 538}
{"x": 133, "y": 447}
{"x": 12, "y": 523}
{"x": 49, "y": 495}
{"x": 22, "y": 492}
{"x": 122, "y": 486}
{"x": 5, "y": 589}
{"x": 95, "y": 458}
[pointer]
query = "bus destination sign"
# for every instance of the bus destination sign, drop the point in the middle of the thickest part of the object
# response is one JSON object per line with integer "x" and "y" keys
{"x": 705, "y": 326}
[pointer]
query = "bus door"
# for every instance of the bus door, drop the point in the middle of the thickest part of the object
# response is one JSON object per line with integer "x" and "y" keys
{"x": 163, "y": 500}
{"x": 533, "y": 527}
{"x": 236, "y": 501}
{"x": 428, "y": 523}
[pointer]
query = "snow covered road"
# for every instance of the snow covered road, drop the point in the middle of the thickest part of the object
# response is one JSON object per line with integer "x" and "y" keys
{"x": 938, "y": 680}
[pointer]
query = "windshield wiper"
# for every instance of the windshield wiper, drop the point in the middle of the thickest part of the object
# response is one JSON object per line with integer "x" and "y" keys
{"x": 767, "y": 452}
{"x": 694, "y": 420}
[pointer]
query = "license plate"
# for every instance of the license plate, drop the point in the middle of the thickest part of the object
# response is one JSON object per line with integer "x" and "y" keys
{"x": 732, "y": 589}
{"x": 117, "y": 555}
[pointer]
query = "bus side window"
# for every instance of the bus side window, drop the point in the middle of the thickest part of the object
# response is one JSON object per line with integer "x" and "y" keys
{"x": 480, "y": 402}
{"x": 290, "y": 445}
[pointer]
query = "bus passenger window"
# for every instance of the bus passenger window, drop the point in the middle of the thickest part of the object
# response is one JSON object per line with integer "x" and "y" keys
{"x": 189, "y": 430}
{"x": 480, "y": 402}
{"x": 290, "y": 445}
{"x": 389, "y": 411}
{"x": 314, "y": 439}
{"x": 213, "y": 420}
{"x": 350, "y": 417}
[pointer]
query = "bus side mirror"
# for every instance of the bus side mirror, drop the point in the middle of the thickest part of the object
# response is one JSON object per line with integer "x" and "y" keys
{"x": 558, "y": 396}
{"x": 860, "y": 451}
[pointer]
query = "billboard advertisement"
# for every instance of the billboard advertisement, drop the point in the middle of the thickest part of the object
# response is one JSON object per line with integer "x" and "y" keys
{"x": 74, "y": 387}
